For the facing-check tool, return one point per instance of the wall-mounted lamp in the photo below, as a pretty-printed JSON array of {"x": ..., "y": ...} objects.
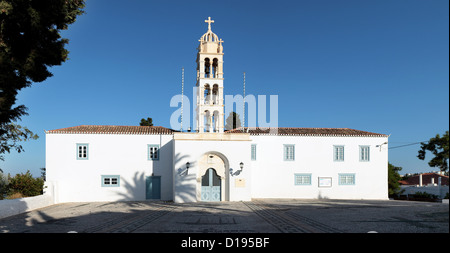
[
  {"x": 188, "y": 164},
  {"x": 241, "y": 166},
  {"x": 182, "y": 172},
  {"x": 381, "y": 145}
]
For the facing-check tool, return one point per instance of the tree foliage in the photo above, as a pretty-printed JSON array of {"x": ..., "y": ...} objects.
[
  {"x": 439, "y": 147},
  {"x": 26, "y": 185},
  {"x": 4, "y": 181},
  {"x": 13, "y": 135},
  {"x": 30, "y": 43},
  {"x": 232, "y": 121},
  {"x": 393, "y": 179},
  {"x": 146, "y": 122}
]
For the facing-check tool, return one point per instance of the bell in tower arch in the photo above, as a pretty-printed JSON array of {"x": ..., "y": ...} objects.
[
  {"x": 207, "y": 67},
  {"x": 215, "y": 65}
]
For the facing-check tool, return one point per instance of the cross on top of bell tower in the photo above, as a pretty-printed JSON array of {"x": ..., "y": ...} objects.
[
  {"x": 209, "y": 36},
  {"x": 209, "y": 21}
]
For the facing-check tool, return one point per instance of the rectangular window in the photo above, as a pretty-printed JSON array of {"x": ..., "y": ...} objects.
[
  {"x": 338, "y": 153},
  {"x": 289, "y": 152},
  {"x": 110, "y": 181},
  {"x": 153, "y": 152},
  {"x": 82, "y": 151},
  {"x": 302, "y": 179},
  {"x": 253, "y": 152},
  {"x": 346, "y": 179},
  {"x": 364, "y": 153}
]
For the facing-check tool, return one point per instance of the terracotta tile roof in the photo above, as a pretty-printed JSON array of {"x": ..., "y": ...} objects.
[
  {"x": 426, "y": 179},
  {"x": 93, "y": 129},
  {"x": 289, "y": 131},
  {"x": 297, "y": 131}
]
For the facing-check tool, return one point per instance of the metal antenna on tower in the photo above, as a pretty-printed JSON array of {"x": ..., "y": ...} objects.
[
  {"x": 243, "y": 117},
  {"x": 182, "y": 96}
]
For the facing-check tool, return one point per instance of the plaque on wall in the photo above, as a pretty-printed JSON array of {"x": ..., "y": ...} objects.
[
  {"x": 325, "y": 181},
  {"x": 239, "y": 182}
]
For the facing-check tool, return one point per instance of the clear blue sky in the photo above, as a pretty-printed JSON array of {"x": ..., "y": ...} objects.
[{"x": 373, "y": 65}]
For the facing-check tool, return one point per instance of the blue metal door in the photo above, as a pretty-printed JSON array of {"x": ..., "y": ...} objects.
[
  {"x": 211, "y": 186},
  {"x": 153, "y": 187}
]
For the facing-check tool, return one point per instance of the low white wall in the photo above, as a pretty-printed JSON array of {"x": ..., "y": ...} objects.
[
  {"x": 440, "y": 191},
  {"x": 9, "y": 207}
]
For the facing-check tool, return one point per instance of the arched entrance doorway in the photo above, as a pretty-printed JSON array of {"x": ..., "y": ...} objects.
[
  {"x": 211, "y": 186},
  {"x": 212, "y": 177}
]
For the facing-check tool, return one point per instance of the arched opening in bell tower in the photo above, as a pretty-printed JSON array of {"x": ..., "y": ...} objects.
[
  {"x": 206, "y": 121},
  {"x": 215, "y": 94},
  {"x": 215, "y": 123},
  {"x": 207, "y": 94},
  {"x": 215, "y": 65},
  {"x": 207, "y": 67}
]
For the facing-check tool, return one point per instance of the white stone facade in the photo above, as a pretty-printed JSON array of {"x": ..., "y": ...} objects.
[
  {"x": 266, "y": 172},
  {"x": 124, "y": 155},
  {"x": 113, "y": 163},
  {"x": 274, "y": 177}
]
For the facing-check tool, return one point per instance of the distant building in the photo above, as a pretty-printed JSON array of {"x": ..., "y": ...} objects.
[
  {"x": 432, "y": 183},
  {"x": 425, "y": 179}
]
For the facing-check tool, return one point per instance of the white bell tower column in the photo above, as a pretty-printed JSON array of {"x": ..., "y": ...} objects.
[{"x": 210, "y": 109}]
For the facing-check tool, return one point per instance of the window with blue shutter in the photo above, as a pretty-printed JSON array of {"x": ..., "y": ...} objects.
[
  {"x": 289, "y": 152},
  {"x": 302, "y": 179},
  {"x": 338, "y": 153},
  {"x": 153, "y": 152},
  {"x": 110, "y": 180},
  {"x": 346, "y": 179},
  {"x": 253, "y": 152},
  {"x": 364, "y": 153},
  {"x": 82, "y": 151}
]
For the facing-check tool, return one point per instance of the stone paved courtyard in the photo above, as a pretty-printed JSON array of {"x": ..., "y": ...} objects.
[{"x": 257, "y": 216}]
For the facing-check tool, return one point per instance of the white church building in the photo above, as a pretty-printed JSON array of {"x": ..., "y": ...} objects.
[{"x": 114, "y": 163}]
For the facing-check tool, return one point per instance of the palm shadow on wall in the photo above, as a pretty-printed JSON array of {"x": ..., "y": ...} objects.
[{"x": 135, "y": 188}]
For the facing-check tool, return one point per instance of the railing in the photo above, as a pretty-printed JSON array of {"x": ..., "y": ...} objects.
[
  {"x": 213, "y": 101},
  {"x": 211, "y": 75}
]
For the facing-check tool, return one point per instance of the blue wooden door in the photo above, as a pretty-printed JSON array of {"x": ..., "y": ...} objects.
[
  {"x": 153, "y": 187},
  {"x": 211, "y": 186}
]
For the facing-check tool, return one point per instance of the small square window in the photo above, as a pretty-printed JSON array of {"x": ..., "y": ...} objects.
[
  {"x": 346, "y": 179},
  {"x": 253, "y": 152},
  {"x": 153, "y": 152},
  {"x": 289, "y": 152},
  {"x": 82, "y": 151},
  {"x": 364, "y": 153},
  {"x": 110, "y": 181},
  {"x": 302, "y": 179},
  {"x": 338, "y": 153}
]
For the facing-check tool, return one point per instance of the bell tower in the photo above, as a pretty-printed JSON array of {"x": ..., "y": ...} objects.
[{"x": 210, "y": 109}]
